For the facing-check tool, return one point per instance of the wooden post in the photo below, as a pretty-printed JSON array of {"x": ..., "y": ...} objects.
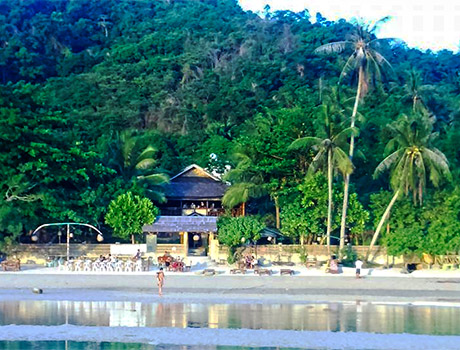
[{"x": 185, "y": 234}]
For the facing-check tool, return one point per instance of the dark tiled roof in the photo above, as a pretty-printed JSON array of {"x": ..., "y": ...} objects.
[
  {"x": 195, "y": 183},
  {"x": 195, "y": 188},
  {"x": 183, "y": 224}
]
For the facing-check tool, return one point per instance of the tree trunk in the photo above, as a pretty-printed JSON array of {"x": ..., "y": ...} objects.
[
  {"x": 346, "y": 186},
  {"x": 132, "y": 239},
  {"x": 243, "y": 209},
  {"x": 329, "y": 204},
  {"x": 385, "y": 216},
  {"x": 277, "y": 212}
]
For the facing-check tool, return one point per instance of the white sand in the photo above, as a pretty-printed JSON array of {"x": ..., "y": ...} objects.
[{"x": 429, "y": 287}]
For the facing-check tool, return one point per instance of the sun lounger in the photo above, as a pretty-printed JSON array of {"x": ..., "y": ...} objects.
[
  {"x": 209, "y": 272},
  {"x": 262, "y": 272},
  {"x": 287, "y": 272},
  {"x": 235, "y": 271}
]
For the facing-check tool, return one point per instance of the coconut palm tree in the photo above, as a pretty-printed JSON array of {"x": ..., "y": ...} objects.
[
  {"x": 329, "y": 149},
  {"x": 415, "y": 91},
  {"x": 136, "y": 163},
  {"x": 366, "y": 62},
  {"x": 412, "y": 159}
]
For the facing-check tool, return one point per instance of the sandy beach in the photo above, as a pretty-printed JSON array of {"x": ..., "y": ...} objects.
[
  {"x": 427, "y": 288},
  {"x": 434, "y": 287}
]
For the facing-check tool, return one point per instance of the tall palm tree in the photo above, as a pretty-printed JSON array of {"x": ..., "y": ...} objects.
[
  {"x": 411, "y": 160},
  {"x": 135, "y": 163},
  {"x": 366, "y": 62},
  {"x": 329, "y": 151}
]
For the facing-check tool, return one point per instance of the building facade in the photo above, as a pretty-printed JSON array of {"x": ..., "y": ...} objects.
[{"x": 188, "y": 220}]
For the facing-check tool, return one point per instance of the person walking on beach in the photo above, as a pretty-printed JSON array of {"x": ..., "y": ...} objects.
[
  {"x": 358, "y": 265},
  {"x": 160, "y": 281}
]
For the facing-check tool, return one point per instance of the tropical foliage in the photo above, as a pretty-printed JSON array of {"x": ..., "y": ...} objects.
[
  {"x": 237, "y": 231},
  {"x": 128, "y": 213},
  {"x": 101, "y": 98}
]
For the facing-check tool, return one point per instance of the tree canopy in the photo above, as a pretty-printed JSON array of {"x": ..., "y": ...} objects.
[{"x": 185, "y": 79}]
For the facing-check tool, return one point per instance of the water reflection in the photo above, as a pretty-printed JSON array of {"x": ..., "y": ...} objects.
[
  {"x": 70, "y": 345},
  {"x": 318, "y": 317}
]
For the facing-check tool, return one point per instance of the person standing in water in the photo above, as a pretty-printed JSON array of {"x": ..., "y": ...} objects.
[{"x": 160, "y": 281}]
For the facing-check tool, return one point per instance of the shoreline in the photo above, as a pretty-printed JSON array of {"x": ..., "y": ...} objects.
[{"x": 428, "y": 287}]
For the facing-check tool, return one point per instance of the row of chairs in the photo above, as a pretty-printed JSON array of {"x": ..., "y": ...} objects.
[{"x": 87, "y": 265}]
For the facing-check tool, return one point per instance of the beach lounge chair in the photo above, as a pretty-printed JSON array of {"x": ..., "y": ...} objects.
[
  {"x": 289, "y": 272},
  {"x": 262, "y": 272},
  {"x": 239, "y": 270}
]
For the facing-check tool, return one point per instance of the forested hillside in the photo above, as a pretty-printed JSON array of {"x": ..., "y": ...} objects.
[{"x": 87, "y": 87}]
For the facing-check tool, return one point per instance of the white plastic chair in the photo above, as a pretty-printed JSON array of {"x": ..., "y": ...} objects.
[
  {"x": 119, "y": 266},
  {"x": 87, "y": 265},
  {"x": 129, "y": 266}
]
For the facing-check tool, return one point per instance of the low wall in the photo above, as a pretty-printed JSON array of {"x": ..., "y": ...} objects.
[
  {"x": 294, "y": 253},
  {"x": 39, "y": 253}
]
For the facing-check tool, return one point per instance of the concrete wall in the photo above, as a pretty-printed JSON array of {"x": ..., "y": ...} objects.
[
  {"x": 294, "y": 253},
  {"x": 38, "y": 253}
]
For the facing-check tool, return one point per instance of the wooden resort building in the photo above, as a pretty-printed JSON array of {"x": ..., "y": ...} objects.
[{"x": 188, "y": 220}]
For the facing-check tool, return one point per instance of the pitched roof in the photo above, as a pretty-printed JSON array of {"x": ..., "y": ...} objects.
[
  {"x": 183, "y": 224},
  {"x": 199, "y": 171},
  {"x": 195, "y": 183}
]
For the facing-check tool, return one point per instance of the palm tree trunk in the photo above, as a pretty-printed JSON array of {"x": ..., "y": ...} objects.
[
  {"x": 329, "y": 204},
  {"x": 385, "y": 216},
  {"x": 346, "y": 186},
  {"x": 277, "y": 212},
  {"x": 243, "y": 209},
  {"x": 132, "y": 239}
]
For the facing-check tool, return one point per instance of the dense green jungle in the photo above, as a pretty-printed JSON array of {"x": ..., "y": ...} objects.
[{"x": 101, "y": 98}]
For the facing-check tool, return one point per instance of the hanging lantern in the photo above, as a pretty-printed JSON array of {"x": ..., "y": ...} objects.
[
  {"x": 34, "y": 238},
  {"x": 196, "y": 238},
  {"x": 99, "y": 238},
  {"x": 71, "y": 235}
]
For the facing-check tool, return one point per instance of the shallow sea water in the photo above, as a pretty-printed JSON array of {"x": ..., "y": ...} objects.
[
  {"x": 334, "y": 317},
  {"x": 71, "y": 345}
]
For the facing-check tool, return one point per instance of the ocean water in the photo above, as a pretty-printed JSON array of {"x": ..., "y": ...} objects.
[
  {"x": 72, "y": 345},
  {"x": 334, "y": 317}
]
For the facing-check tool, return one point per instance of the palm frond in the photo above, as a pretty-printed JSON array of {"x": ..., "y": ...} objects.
[
  {"x": 148, "y": 152},
  {"x": 372, "y": 28},
  {"x": 155, "y": 179},
  {"x": 388, "y": 162},
  {"x": 382, "y": 61},
  {"x": 335, "y": 47},
  {"x": 304, "y": 143},
  {"x": 316, "y": 163},
  {"x": 240, "y": 193},
  {"x": 438, "y": 165},
  {"x": 342, "y": 136},
  {"x": 349, "y": 66},
  {"x": 145, "y": 164},
  {"x": 341, "y": 161}
]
